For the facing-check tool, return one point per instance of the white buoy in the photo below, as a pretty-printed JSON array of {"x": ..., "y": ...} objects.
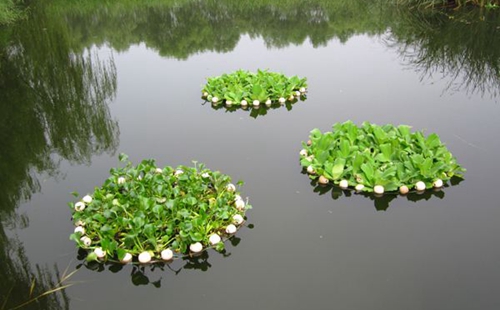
[
  {"x": 126, "y": 259},
  {"x": 86, "y": 240},
  {"x": 214, "y": 239},
  {"x": 230, "y": 187},
  {"x": 231, "y": 229},
  {"x": 178, "y": 172},
  {"x": 378, "y": 189},
  {"x": 80, "y": 229},
  {"x": 420, "y": 186},
  {"x": 359, "y": 187},
  {"x": 99, "y": 252},
  {"x": 438, "y": 183},
  {"x": 79, "y": 206},
  {"x": 167, "y": 254},
  {"x": 403, "y": 189},
  {"x": 196, "y": 247},
  {"x": 344, "y": 184},
  {"x": 144, "y": 257},
  {"x": 323, "y": 180},
  {"x": 239, "y": 204},
  {"x": 238, "y": 219},
  {"x": 87, "y": 199}
]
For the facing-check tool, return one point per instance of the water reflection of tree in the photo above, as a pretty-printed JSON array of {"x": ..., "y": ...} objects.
[
  {"x": 20, "y": 283},
  {"x": 462, "y": 46},
  {"x": 183, "y": 28},
  {"x": 53, "y": 103}
]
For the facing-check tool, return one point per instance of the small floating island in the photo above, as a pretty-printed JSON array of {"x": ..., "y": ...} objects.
[
  {"x": 378, "y": 159},
  {"x": 147, "y": 214},
  {"x": 244, "y": 88}
]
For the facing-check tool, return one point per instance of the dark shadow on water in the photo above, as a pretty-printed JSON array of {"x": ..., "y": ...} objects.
[
  {"x": 382, "y": 202},
  {"x": 152, "y": 274},
  {"x": 255, "y": 112}
]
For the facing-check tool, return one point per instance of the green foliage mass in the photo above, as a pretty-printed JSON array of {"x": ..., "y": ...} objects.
[
  {"x": 147, "y": 208},
  {"x": 261, "y": 86},
  {"x": 378, "y": 155},
  {"x": 9, "y": 12},
  {"x": 450, "y": 3},
  {"x": 458, "y": 44}
]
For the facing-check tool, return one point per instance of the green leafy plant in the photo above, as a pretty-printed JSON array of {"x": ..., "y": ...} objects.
[
  {"x": 492, "y": 5},
  {"x": 376, "y": 158},
  {"x": 242, "y": 88},
  {"x": 149, "y": 213}
]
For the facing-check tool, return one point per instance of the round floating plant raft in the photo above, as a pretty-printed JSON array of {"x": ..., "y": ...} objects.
[
  {"x": 149, "y": 213},
  {"x": 244, "y": 88},
  {"x": 378, "y": 159}
]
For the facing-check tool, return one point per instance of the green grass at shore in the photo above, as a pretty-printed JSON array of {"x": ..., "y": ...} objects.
[
  {"x": 9, "y": 12},
  {"x": 451, "y": 3}
]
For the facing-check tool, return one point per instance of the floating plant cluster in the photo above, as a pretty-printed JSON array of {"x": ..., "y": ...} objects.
[
  {"x": 378, "y": 159},
  {"x": 148, "y": 213},
  {"x": 244, "y": 88}
]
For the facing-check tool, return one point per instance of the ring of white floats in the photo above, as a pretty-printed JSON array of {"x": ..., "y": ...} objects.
[
  {"x": 307, "y": 160},
  {"x": 165, "y": 255}
]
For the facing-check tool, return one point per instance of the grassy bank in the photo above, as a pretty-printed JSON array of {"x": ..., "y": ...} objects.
[
  {"x": 451, "y": 3},
  {"x": 9, "y": 11}
]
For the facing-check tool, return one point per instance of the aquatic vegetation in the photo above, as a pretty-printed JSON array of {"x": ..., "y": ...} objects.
[
  {"x": 262, "y": 88},
  {"x": 378, "y": 159},
  {"x": 149, "y": 212}
]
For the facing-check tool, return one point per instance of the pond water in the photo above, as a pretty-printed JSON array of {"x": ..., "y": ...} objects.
[{"x": 81, "y": 83}]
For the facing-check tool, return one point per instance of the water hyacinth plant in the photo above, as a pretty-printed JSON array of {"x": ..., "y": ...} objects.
[
  {"x": 378, "y": 159},
  {"x": 150, "y": 213},
  {"x": 243, "y": 88}
]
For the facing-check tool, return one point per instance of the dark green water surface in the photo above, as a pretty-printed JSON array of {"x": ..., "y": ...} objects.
[{"x": 82, "y": 81}]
